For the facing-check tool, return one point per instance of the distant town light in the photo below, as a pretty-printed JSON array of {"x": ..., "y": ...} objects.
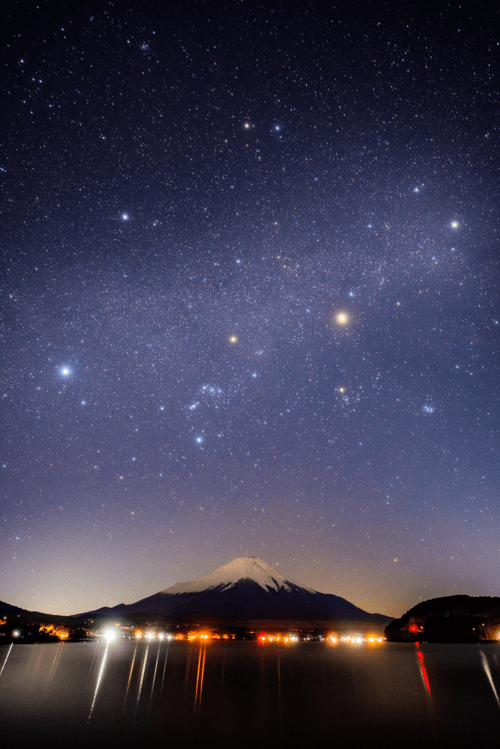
[{"x": 110, "y": 635}]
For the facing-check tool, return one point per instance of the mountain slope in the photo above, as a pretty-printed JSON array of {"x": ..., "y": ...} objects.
[{"x": 245, "y": 589}]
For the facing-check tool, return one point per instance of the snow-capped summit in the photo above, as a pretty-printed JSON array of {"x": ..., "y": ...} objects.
[
  {"x": 246, "y": 568},
  {"x": 246, "y": 589}
]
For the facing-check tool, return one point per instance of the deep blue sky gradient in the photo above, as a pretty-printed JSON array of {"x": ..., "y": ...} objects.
[{"x": 190, "y": 198}]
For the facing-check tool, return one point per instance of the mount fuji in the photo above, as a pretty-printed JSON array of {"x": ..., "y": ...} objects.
[{"x": 246, "y": 589}]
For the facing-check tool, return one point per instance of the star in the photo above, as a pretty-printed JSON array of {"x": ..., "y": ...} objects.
[
  {"x": 342, "y": 318},
  {"x": 112, "y": 327}
]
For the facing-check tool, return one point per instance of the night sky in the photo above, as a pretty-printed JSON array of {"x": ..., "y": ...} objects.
[{"x": 249, "y": 298}]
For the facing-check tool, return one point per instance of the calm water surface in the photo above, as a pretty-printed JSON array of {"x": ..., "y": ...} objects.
[{"x": 242, "y": 694}]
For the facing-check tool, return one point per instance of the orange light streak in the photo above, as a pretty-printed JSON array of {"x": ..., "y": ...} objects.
[{"x": 200, "y": 675}]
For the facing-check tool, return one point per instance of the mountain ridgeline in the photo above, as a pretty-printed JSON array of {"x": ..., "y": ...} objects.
[{"x": 246, "y": 589}]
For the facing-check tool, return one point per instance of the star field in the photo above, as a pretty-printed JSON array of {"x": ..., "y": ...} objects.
[{"x": 250, "y": 299}]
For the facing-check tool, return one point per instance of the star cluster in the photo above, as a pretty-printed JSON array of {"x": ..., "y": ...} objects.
[{"x": 250, "y": 300}]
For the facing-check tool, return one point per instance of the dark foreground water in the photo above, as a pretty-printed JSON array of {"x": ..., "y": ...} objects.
[{"x": 241, "y": 694}]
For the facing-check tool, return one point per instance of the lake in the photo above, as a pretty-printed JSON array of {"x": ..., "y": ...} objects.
[{"x": 306, "y": 695}]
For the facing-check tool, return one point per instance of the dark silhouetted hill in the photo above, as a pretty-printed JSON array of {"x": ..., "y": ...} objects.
[{"x": 449, "y": 619}]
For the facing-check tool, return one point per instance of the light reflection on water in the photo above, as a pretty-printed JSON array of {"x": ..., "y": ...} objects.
[
  {"x": 241, "y": 694},
  {"x": 154, "y": 677},
  {"x": 141, "y": 677},
  {"x": 130, "y": 677},
  {"x": 488, "y": 673},
  {"x": 6, "y": 658},
  {"x": 423, "y": 671},
  {"x": 57, "y": 655},
  {"x": 99, "y": 678},
  {"x": 200, "y": 675}
]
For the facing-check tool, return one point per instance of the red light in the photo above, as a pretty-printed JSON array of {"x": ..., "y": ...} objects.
[{"x": 423, "y": 672}]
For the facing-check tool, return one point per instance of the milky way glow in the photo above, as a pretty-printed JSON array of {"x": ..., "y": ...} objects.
[{"x": 250, "y": 302}]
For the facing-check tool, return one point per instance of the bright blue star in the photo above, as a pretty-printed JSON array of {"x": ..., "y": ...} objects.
[{"x": 65, "y": 371}]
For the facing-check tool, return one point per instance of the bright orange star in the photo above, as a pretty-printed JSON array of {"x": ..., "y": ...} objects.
[{"x": 342, "y": 318}]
